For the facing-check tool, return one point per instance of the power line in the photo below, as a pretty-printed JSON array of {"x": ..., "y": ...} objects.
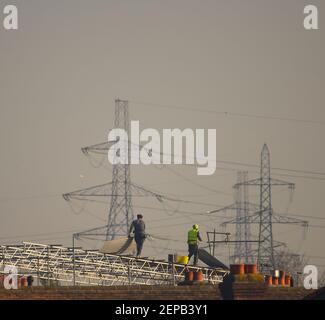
[
  {"x": 37, "y": 234},
  {"x": 227, "y": 113},
  {"x": 197, "y": 183},
  {"x": 273, "y": 168},
  {"x": 165, "y": 197},
  {"x": 314, "y": 226},
  {"x": 244, "y": 164},
  {"x": 321, "y": 175},
  {"x": 29, "y": 197},
  {"x": 306, "y": 216},
  {"x": 315, "y": 257},
  {"x": 176, "y": 211},
  {"x": 179, "y": 224}
]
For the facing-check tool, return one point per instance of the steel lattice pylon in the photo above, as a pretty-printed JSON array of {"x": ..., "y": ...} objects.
[
  {"x": 243, "y": 232},
  {"x": 265, "y": 217},
  {"x": 120, "y": 190},
  {"x": 243, "y": 208},
  {"x": 120, "y": 213},
  {"x": 265, "y": 249}
]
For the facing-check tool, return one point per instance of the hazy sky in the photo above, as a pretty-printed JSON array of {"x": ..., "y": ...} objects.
[{"x": 61, "y": 71}]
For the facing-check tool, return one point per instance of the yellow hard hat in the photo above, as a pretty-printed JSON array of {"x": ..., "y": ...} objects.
[{"x": 196, "y": 227}]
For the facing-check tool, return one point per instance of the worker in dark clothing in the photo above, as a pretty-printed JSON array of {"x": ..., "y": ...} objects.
[
  {"x": 192, "y": 239},
  {"x": 30, "y": 280},
  {"x": 139, "y": 233}
]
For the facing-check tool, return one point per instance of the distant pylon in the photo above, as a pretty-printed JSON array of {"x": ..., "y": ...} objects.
[
  {"x": 242, "y": 252},
  {"x": 265, "y": 217},
  {"x": 243, "y": 208},
  {"x": 265, "y": 248}
]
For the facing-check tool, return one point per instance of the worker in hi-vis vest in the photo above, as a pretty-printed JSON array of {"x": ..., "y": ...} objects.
[{"x": 192, "y": 239}]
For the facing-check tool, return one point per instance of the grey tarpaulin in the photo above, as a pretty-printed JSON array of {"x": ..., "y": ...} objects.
[
  {"x": 210, "y": 260},
  {"x": 119, "y": 246}
]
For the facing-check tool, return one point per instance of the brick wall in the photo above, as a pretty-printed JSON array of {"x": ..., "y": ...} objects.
[
  {"x": 259, "y": 291},
  {"x": 204, "y": 292},
  {"x": 239, "y": 291}
]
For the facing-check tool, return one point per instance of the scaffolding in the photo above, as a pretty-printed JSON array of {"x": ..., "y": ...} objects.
[{"x": 76, "y": 266}]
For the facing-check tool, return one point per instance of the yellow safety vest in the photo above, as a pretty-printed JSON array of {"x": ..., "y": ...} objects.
[{"x": 192, "y": 236}]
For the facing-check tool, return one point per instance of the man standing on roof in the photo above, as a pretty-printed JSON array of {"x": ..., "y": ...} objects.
[
  {"x": 139, "y": 233},
  {"x": 192, "y": 239}
]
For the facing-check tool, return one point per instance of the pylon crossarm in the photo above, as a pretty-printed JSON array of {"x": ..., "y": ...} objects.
[
  {"x": 100, "y": 148},
  {"x": 102, "y": 190},
  {"x": 279, "y": 244},
  {"x": 253, "y": 218},
  {"x": 234, "y": 206},
  {"x": 254, "y": 182},
  {"x": 276, "y": 218},
  {"x": 278, "y": 182},
  {"x": 273, "y": 182},
  {"x": 136, "y": 189}
]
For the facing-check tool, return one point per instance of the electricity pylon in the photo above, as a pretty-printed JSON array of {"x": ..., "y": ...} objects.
[
  {"x": 120, "y": 213},
  {"x": 120, "y": 190},
  {"x": 243, "y": 231},
  {"x": 243, "y": 208},
  {"x": 265, "y": 217}
]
